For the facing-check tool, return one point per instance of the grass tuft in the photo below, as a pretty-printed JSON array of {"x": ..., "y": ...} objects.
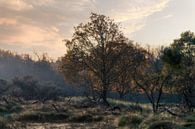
[
  {"x": 162, "y": 125},
  {"x": 42, "y": 117},
  {"x": 132, "y": 121}
]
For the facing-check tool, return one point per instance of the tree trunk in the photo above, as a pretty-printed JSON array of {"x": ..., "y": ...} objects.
[
  {"x": 104, "y": 97},
  {"x": 121, "y": 95},
  {"x": 154, "y": 108}
]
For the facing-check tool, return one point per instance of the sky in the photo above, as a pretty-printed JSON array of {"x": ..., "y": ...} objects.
[{"x": 28, "y": 26}]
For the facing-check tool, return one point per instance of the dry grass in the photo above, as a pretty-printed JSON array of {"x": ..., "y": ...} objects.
[{"x": 77, "y": 114}]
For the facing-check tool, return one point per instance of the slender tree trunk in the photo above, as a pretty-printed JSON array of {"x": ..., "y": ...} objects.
[
  {"x": 104, "y": 96},
  {"x": 121, "y": 95},
  {"x": 154, "y": 108}
]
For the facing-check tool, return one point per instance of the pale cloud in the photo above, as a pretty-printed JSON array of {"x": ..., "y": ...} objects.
[
  {"x": 164, "y": 17},
  {"x": 28, "y": 33},
  {"x": 7, "y": 21},
  {"x": 35, "y": 23},
  {"x": 16, "y": 4},
  {"x": 130, "y": 28},
  {"x": 132, "y": 13},
  {"x": 133, "y": 9}
]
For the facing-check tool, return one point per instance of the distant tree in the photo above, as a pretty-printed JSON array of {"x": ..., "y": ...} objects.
[
  {"x": 42, "y": 68},
  {"x": 25, "y": 87},
  {"x": 3, "y": 87},
  {"x": 29, "y": 88},
  {"x": 96, "y": 48},
  {"x": 48, "y": 91},
  {"x": 180, "y": 58},
  {"x": 133, "y": 58},
  {"x": 153, "y": 79}
]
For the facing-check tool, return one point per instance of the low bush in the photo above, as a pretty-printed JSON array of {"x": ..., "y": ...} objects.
[
  {"x": 162, "y": 125},
  {"x": 14, "y": 107},
  {"x": 190, "y": 117},
  {"x": 10, "y": 108},
  {"x": 42, "y": 117},
  {"x": 189, "y": 125},
  {"x": 131, "y": 121},
  {"x": 85, "y": 118},
  {"x": 158, "y": 122},
  {"x": 189, "y": 121},
  {"x": 4, "y": 123}
]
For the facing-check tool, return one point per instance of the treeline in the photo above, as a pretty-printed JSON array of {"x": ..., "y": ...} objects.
[
  {"x": 100, "y": 58},
  {"x": 21, "y": 76},
  {"x": 28, "y": 88},
  {"x": 15, "y": 65}
]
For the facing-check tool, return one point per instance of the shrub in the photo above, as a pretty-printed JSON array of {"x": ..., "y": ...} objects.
[
  {"x": 189, "y": 125},
  {"x": 3, "y": 109},
  {"x": 190, "y": 117},
  {"x": 132, "y": 121},
  {"x": 190, "y": 121},
  {"x": 42, "y": 117},
  {"x": 3, "y": 87},
  {"x": 10, "y": 108},
  {"x": 158, "y": 122},
  {"x": 13, "y": 107},
  {"x": 85, "y": 118},
  {"x": 29, "y": 88},
  {"x": 162, "y": 125},
  {"x": 3, "y": 123}
]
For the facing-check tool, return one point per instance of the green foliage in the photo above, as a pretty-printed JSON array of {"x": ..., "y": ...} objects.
[
  {"x": 181, "y": 51},
  {"x": 180, "y": 59},
  {"x": 172, "y": 57}
]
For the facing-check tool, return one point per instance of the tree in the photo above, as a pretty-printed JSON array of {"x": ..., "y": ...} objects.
[
  {"x": 95, "y": 48},
  {"x": 152, "y": 79},
  {"x": 180, "y": 58},
  {"x": 25, "y": 87},
  {"x": 132, "y": 59}
]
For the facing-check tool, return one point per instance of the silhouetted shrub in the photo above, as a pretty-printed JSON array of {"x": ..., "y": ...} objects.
[
  {"x": 85, "y": 118},
  {"x": 43, "y": 117},
  {"x": 190, "y": 121},
  {"x": 31, "y": 89},
  {"x": 3, "y": 86},
  {"x": 4, "y": 123},
  {"x": 162, "y": 125},
  {"x": 132, "y": 121}
]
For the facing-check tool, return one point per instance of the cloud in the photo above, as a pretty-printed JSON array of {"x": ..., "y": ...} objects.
[
  {"x": 7, "y": 21},
  {"x": 35, "y": 23},
  {"x": 164, "y": 17},
  {"x": 132, "y": 14},
  {"x": 15, "y": 4},
  {"x": 135, "y": 9}
]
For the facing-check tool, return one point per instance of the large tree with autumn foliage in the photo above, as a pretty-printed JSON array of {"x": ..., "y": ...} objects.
[{"x": 96, "y": 52}]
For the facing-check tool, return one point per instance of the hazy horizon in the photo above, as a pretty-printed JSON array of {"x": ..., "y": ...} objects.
[{"x": 28, "y": 26}]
